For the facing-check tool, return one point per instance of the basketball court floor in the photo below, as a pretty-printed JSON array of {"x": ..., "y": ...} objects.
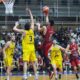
[{"x": 42, "y": 77}]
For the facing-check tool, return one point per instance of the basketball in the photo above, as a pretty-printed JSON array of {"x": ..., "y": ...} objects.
[
  {"x": 0, "y": 1},
  {"x": 45, "y": 10}
]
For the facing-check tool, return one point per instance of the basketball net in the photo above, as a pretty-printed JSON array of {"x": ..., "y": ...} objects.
[{"x": 8, "y": 6}]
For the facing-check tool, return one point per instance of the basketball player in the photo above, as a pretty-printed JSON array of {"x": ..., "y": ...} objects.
[
  {"x": 74, "y": 56},
  {"x": 48, "y": 32},
  {"x": 28, "y": 45},
  {"x": 8, "y": 52},
  {"x": 56, "y": 58}
]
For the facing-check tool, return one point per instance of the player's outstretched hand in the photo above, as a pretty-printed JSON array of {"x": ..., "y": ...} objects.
[
  {"x": 17, "y": 23},
  {"x": 38, "y": 24}
]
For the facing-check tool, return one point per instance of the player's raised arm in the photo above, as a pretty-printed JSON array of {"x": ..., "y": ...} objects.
[
  {"x": 15, "y": 28},
  {"x": 47, "y": 19},
  {"x": 39, "y": 26},
  {"x": 4, "y": 48},
  {"x": 32, "y": 20},
  {"x": 41, "y": 29},
  {"x": 46, "y": 12},
  {"x": 67, "y": 48},
  {"x": 67, "y": 51},
  {"x": 63, "y": 49}
]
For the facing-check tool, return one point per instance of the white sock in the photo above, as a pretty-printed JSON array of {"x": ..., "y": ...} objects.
[
  {"x": 25, "y": 76},
  {"x": 7, "y": 77},
  {"x": 36, "y": 76},
  {"x": 56, "y": 76},
  {"x": 25, "y": 72}
]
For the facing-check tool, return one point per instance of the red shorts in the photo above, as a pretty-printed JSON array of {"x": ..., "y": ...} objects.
[
  {"x": 46, "y": 48},
  {"x": 75, "y": 62}
]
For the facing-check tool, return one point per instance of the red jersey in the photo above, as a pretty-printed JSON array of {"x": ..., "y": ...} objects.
[
  {"x": 74, "y": 57},
  {"x": 48, "y": 35},
  {"x": 73, "y": 47},
  {"x": 47, "y": 40}
]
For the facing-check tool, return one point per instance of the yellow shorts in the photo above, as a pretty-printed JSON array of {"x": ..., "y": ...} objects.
[
  {"x": 8, "y": 61},
  {"x": 29, "y": 56},
  {"x": 58, "y": 63}
]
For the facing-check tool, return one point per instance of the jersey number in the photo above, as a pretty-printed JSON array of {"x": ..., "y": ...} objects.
[{"x": 30, "y": 37}]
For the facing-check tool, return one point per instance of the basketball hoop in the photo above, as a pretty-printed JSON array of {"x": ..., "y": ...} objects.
[{"x": 8, "y": 6}]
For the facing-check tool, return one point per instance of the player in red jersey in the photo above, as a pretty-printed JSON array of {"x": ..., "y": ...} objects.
[
  {"x": 48, "y": 32},
  {"x": 74, "y": 56}
]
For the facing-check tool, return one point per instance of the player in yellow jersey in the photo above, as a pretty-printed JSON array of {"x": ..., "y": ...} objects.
[
  {"x": 8, "y": 52},
  {"x": 56, "y": 58},
  {"x": 28, "y": 45}
]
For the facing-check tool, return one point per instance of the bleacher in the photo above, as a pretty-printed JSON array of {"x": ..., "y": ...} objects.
[{"x": 58, "y": 9}]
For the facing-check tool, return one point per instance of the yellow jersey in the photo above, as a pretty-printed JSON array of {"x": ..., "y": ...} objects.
[
  {"x": 10, "y": 50},
  {"x": 28, "y": 39},
  {"x": 56, "y": 53}
]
